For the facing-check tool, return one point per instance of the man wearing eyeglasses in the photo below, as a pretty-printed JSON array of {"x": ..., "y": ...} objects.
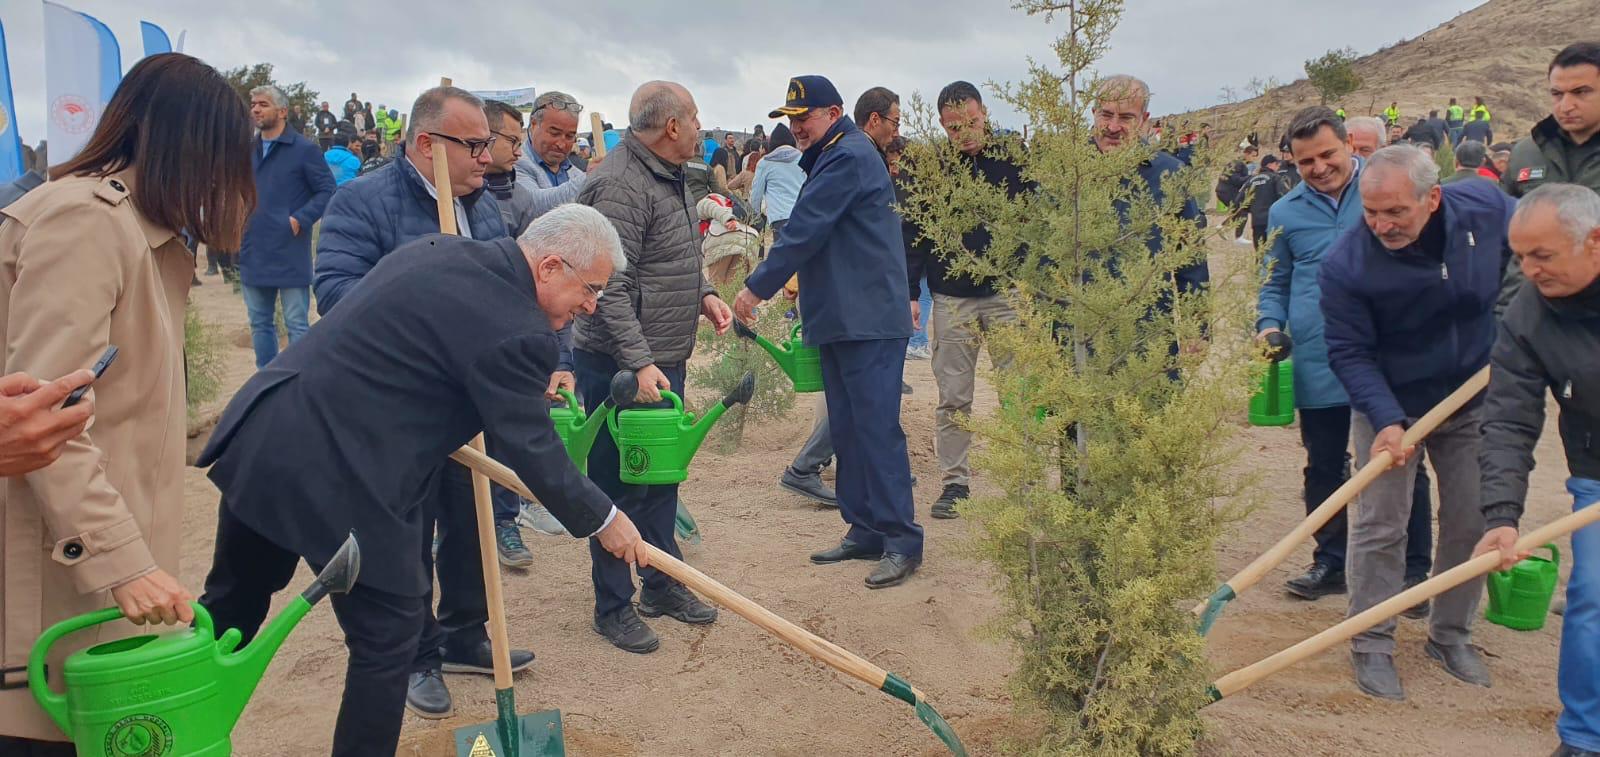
[
  {"x": 546, "y": 167},
  {"x": 367, "y": 219},
  {"x": 843, "y": 239}
]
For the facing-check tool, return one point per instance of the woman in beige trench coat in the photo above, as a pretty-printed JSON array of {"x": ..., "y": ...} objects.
[{"x": 93, "y": 258}]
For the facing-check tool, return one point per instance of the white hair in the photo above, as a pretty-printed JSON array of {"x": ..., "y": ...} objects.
[
  {"x": 274, "y": 94},
  {"x": 1577, "y": 208},
  {"x": 1370, "y": 124},
  {"x": 1124, "y": 87},
  {"x": 1418, "y": 165},
  {"x": 577, "y": 234}
]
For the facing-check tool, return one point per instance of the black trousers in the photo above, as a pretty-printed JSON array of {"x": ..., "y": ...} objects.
[
  {"x": 874, "y": 478},
  {"x": 381, "y": 631},
  {"x": 11, "y": 746},
  {"x": 463, "y": 612},
  {"x": 651, "y": 508},
  {"x": 1325, "y": 432}
]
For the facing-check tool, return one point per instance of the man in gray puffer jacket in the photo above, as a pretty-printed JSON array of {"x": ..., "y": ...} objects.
[{"x": 645, "y": 322}]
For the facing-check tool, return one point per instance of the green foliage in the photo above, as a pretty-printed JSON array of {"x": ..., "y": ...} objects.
[
  {"x": 203, "y": 350},
  {"x": 1445, "y": 156},
  {"x": 245, "y": 78},
  {"x": 728, "y": 358},
  {"x": 1334, "y": 74},
  {"x": 1111, "y": 451}
]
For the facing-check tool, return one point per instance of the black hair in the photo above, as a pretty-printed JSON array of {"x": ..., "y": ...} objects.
[
  {"x": 780, "y": 136},
  {"x": 1472, "y": 154},
  {"x": 1309, "y": 121},
  {"x": 876, "y": 100},
  {"x": 1577, "y": 54},
  {"x": 957, "y": 92},
  {"x": 494, "y": 110},
  {"x": 898, "y": 144}
]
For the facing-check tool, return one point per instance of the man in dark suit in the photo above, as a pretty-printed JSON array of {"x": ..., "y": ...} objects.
[{"x": 445, "y": 337}]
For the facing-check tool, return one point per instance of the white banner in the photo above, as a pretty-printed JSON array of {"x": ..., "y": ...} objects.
[
  {"x": 82, "y": 67},
  {"x": 516, "y": 98}
]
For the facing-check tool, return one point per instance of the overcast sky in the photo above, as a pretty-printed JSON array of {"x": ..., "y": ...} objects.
[{"x": 735, "y": 57}]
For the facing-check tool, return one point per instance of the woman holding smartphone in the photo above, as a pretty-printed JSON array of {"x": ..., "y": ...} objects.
[{"x": 92, "y": 259}]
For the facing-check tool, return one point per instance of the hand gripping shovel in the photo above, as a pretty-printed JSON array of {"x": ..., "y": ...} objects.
[
  {"x": 1238, "y": 680},
  {"x": 823, "y": 650},
  {"x": 1377, "y": 466}
]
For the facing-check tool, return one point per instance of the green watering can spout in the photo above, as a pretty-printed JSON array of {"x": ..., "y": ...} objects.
[
  {"x": 243, "y": 669},
  {"x": 802, "y": 364}
]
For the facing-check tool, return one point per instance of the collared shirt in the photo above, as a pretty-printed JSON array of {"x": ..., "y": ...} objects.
[
  {"x": 559, "y": 176},
  {"x": 1355, "y": 175},
  {"x": 462, "y": 227}
]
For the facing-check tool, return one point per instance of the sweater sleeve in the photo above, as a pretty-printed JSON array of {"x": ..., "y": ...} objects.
[{"x": 1513, "y": 417}]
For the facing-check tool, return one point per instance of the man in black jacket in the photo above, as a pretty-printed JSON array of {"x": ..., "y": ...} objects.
[
  {"x": 1263, "y": 189},
  {"x": 964, "y": 308},
  {"x": 444, "y": 338},
  {"x": 1549, "y": 338}
]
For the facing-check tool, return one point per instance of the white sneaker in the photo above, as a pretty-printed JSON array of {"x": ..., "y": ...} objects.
[
  {"x": 919, "y": 352},
  {"x": 533, "y": 515},
  {"x": 1241, "y": 241}
]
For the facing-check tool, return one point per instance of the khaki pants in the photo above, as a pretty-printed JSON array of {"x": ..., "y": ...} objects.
[{"x": 959, "y": 324}]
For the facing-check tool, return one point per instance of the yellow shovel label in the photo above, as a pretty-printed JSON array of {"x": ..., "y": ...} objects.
[{"x": 481, "y": 748}]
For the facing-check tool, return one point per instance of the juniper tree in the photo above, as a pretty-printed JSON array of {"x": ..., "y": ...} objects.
[{"x": 1112, "y": 450}]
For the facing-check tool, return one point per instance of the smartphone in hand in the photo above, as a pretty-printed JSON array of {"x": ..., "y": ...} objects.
[{"x": 100, "y": 367}]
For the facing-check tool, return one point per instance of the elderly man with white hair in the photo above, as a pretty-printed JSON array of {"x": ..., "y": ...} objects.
[
  {"x": 1367, "y": 135},
  {"x": 443, "y": 339},
  {"x": 1549, "y": 339},
  {"x": 1408, "y": 303}
]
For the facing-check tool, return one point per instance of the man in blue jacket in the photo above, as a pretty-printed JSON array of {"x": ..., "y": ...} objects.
[
  {"x": 843, "y": 239},
  {"x": 1409, "y": 305},
  {"x": 368, "y": 219},
  {"x": 293, "y": 185},
  {"x": 1307, "y": 220}
]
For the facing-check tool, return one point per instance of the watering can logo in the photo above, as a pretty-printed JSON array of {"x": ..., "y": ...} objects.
[
  {"x": 140, "y": 735},
  {"x": 637, "y": 459}
]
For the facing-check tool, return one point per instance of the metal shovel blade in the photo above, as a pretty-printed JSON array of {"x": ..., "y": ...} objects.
[{"x": 538, "y": 734}]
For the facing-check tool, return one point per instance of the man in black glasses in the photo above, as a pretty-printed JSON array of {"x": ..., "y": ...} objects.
[
  {"x": 546, "y": 168},
  {"x": 367, "y": 219}
]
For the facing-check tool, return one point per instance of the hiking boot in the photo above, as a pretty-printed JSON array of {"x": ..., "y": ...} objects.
[
  {"x": 1419, "y": 610},
  {"x": 627, "y": 632},
  {"x": 945, "y": 507},
  {"x": 480, "y": 659},
  {"x": 893, "y": 570},
  {"x": 678, "y": 603},
  {"x": 1318, "y": 582},
  {"x": 1376, "y": 676},
  {"x": 427, "y": 696},
  {"x": 535, "y": 516},
  {"x": 508, "y": 542},
  {"x": 808, "y": 485},
  {"x": 847, "y": 550},
  {"x": 1461, "y": 661}
]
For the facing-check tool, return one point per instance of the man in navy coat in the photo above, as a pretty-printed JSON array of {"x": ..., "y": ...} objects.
[
  {"x": 445, "y": 337},
  {"x": 293, "y": 186},
  {"x": 843, "y": 239}
]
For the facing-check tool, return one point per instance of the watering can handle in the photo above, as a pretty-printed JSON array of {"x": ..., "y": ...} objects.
[
  {"x": 566, "y": 394},
  {"x": 1555, "y": 553},
  {"x": 677, "y": 402},
  {"x": 793, "y": 332},
  {"x": 56, "y": 704}
]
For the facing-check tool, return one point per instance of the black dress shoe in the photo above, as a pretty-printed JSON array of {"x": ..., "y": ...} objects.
[
  {"x": 480, "y": 659},
  {"x": 1421, "y": 609},
  {"x": 1375, "y": 675},
  {"x": 808, "y": 485},
  {"x": 893, "y": 570},
  {"x": 847, "y": 550},
  {"x": 1461, "y": 661},
  {"x": 1318, "y": 582},
  {"x": 627, "y": 631},
  {"x": 678, "y": 603},
  {"x": 427, "y": 696}
]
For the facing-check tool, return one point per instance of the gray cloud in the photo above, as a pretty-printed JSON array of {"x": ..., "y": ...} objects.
[{"x": 736, "y": 58}]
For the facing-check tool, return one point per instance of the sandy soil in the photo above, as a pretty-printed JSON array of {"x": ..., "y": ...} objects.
[{"x": 731, "y": 689}]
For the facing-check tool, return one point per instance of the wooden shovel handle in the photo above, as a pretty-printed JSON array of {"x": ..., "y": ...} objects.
[
  {"x": 1238, "y": 680},
  {"x": 499, "y": 641},
  {"x": 823, "y": 650},
  {"x": 441, "y": 187},
  {"x": 1377, "y": 466},
  {"x": 597, "y": 126}
]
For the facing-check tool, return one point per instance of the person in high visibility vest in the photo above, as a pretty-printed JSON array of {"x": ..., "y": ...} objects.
[
  {"x": 1454, "y": 120},
  {"x": 1392, "y": 113},
  {"x": 1340, "y": 112},
  {"x": 1480, "y": 112}
]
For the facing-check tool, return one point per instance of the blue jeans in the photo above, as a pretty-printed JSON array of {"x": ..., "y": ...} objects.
[
  {"x": 261, "y": 303},
  {"x": 1579, "y": 677},
  {"x": 919, "y": 338}
]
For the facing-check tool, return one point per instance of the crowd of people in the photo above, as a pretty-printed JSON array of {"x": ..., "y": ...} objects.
[{"x": 573, "y": 269}]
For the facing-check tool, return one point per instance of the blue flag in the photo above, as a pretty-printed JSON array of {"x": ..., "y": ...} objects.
[
  {"x": 11, "y": 165},
  {"x": 155, "y": 39}
]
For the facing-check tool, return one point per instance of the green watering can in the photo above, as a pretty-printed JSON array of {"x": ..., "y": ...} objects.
[
  {"x": 802, "y": 364},
  {"x": 656, "y": 444},
  {"x": 578, "y": 431},
  {"x": 1273, "y": 403},
  {"x": 1520, "y": 598},
  {"x": 176, "y": 694}
]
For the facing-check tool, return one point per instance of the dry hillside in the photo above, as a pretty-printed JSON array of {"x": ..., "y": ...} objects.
[{"x": 1499, "y": 50}]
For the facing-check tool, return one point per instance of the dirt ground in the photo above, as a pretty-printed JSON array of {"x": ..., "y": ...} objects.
[{"x": 731, "y": 689}]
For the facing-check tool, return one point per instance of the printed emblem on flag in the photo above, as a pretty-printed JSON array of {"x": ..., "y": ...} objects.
[
  {"x": 1524, "y": 174},
  {"x": 73, "y": 114}
]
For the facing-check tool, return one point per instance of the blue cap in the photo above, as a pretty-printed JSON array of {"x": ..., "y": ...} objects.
[{"x": 805, "y": 93}]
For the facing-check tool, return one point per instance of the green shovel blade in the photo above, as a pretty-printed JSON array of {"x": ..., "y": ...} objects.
[
  {"x": 538, "y": 735},
  {"x": 897, "y": 687},
  {"x": 683, "y": 523},
  {"x": 1218, "y": 600}
]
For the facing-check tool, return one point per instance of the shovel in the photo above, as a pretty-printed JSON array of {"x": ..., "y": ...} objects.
[
  {"x": 1377, "y": 466},
  {"x": 823, "y": 650},
  {"x": 1238, "y": 680}
]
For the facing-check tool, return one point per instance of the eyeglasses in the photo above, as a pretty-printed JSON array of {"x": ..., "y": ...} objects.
[
  {"x": 892, "y": 121},
  {"x": 512, "y": 138},
  {"x": 559, "y": 102},
  {"x": 596, "y": 293},
  {"x": 475, "y": 147}
]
